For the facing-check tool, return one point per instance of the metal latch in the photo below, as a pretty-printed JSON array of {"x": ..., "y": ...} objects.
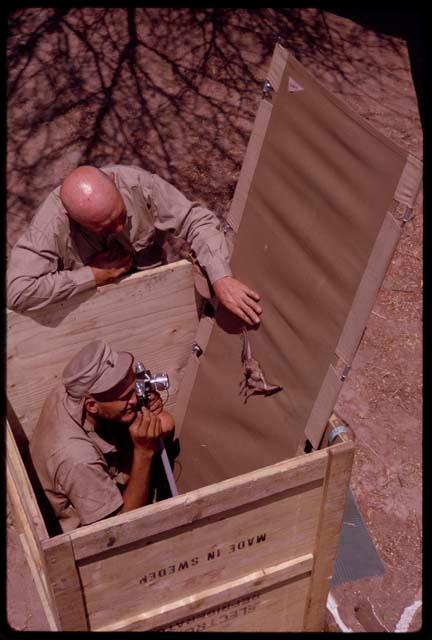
[
  {"x": 345, "y": 372},
  {"x": 336, "y": 431},
  {"x": 267, "y": 89},
  {"x": 407, "y": 215},
  {"x": 196, "y": 349}
]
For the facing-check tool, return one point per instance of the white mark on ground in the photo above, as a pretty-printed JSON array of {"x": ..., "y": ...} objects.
[
  {"x": 333, "y": 608},
  {"x": 407, "y": 616},
  {"x": 376, "y": 616}
]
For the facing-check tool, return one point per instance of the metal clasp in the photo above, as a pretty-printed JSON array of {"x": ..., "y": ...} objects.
[
  {"x": 196, "y": 349},
  {"x": 267, "y": 89},
  {"x": 345, "y": 372},
  {"x": 336, "y": 431},
  {"x": 407, "y": 215}
]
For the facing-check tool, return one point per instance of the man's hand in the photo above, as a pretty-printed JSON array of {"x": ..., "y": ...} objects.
[
  {"x": 166, "y": 419},
  {"x": 155, "y": 402},
  {"x": 145, "y": 431},
  {"x": 106, "y": 270},
  {"x": 238, "y": 298}
]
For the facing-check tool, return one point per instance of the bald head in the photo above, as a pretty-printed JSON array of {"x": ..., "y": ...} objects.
[{"x": 91, "y": 198}]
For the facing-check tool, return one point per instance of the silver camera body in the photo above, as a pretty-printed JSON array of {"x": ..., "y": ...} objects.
[{"x": 146, "y": 383}]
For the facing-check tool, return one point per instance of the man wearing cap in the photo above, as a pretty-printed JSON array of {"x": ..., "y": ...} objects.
[
  {"x": 92, "y": 449},
  {"x": 101, "y": 223}
]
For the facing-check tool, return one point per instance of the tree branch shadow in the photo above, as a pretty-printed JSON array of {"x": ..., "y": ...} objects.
[{"x": 172, "y": 90}]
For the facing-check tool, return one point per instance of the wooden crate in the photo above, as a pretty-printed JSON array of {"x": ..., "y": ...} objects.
[{"x": 252, "y": 553}]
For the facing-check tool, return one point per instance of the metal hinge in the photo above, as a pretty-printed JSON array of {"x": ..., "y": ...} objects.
[
  {"x": 267, "y": 89},
  {"x": 345, "y": 372},
  {"x": 196, "y": 349},
  {"x": 337, "y": 431},
  {"x": 407, "y": 215}
]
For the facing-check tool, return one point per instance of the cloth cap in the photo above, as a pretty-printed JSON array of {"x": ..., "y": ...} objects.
[{"x": 95, "y": 369}]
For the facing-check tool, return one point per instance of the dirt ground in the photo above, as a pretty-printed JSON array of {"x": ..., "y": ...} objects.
[{"x": 176, "y": 91}]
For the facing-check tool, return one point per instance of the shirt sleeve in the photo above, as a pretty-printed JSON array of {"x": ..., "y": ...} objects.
[
  {"x": 90, "y": 489},
  {"x": 34, "y": 278},
  {"x": 194, "y": 223}
]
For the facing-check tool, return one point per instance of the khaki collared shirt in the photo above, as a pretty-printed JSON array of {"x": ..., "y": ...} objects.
[
  {"x": 81, "y": 473},
  {"x": 48, "y": 263}
]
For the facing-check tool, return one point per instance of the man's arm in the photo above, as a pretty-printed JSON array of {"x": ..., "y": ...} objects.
[
  {"x": 202, "y": 229},
  {"x": 145, "y": 432},
  {"x": 35, "y": 278}
]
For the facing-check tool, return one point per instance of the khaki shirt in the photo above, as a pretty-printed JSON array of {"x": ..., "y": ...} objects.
[
  {"x": 48, "y": 263},
  {"x": 82, "y": 474}
]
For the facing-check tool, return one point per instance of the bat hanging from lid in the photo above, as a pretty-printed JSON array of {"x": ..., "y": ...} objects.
[{"x": 254, "y": 381}]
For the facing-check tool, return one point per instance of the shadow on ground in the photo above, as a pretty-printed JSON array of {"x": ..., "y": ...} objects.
[{"x": 172, "y": 90}]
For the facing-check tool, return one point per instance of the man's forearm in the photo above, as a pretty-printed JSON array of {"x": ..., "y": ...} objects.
[
  {"x": 192, "y": 222},
  {"x": 29, "y": 293},
  {"x": 137, "y": 490}
]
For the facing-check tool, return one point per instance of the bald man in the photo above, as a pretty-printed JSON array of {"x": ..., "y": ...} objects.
[{"x": 102, "y": 223}]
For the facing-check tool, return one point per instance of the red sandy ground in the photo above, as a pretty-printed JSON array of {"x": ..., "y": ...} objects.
[{"x": 182, "y": 103}]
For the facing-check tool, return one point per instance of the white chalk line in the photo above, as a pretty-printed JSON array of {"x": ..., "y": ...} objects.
[
  {"x": 401, "y": 627},
  {"x": 407, "y": 617},
  {"x": 333, "y": 608},
  {"x": 376, "y": 616}
]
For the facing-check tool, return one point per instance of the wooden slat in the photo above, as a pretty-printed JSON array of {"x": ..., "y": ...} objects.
[
  {"x": 65, "y": 583},
  {"x": 186, "y": 385},
  {"x": 195, "y": 604},
  {"x": 207, "y": 552},
  {"x": 277, "y": 66},
  {"x": 32, "y": 553},
  {"x": 26, "y": 496},
  {"x": 253, "y": 150},
  {"x": 143, "y": 523},
  {"x": 152, "y": 314},
  {"x": 367, "y": 290},
  {"x": 335, "y": 492},
  {"x": 30, "y": 525}
]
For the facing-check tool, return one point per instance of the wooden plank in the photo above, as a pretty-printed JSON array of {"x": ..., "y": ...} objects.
[
  {"x": 152, "y": 314},
  {"x": 66, "y": 585},
  {"x": 371, "y": 280},
  {"x": 32, "y": 553},
  {"x": 206, "y": 502},
  {"x": 277, "y": 609},
  {"x": 26, "y": 496},
  {"x": 193, "y": 605},
  {"x": 332, "y": 509},
  {"x": 186, "y": 385},
  {"x": 277, "y": 66},
  {"x": 209, "y": 537},
  {"x": 210, "y": 551},
  {"x": 29, "y": 524},
  {"x": 250, "y": 161},
  {"x": 323, "y": 406}
]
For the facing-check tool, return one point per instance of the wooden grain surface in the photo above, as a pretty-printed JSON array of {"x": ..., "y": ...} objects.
[
  {"x": 205, "y": 539},
  {"x": 330, "y": 522},
  {"x": 152, "y": 314},
  {"x": 214, "y": 500},
  {"x": 214, "y": 607},
  {"x": 29, "y": 524},
  {"x": 66, "y": 585}
]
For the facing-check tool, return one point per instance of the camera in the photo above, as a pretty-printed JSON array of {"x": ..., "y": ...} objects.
[{"x": 146, "y": 383}]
